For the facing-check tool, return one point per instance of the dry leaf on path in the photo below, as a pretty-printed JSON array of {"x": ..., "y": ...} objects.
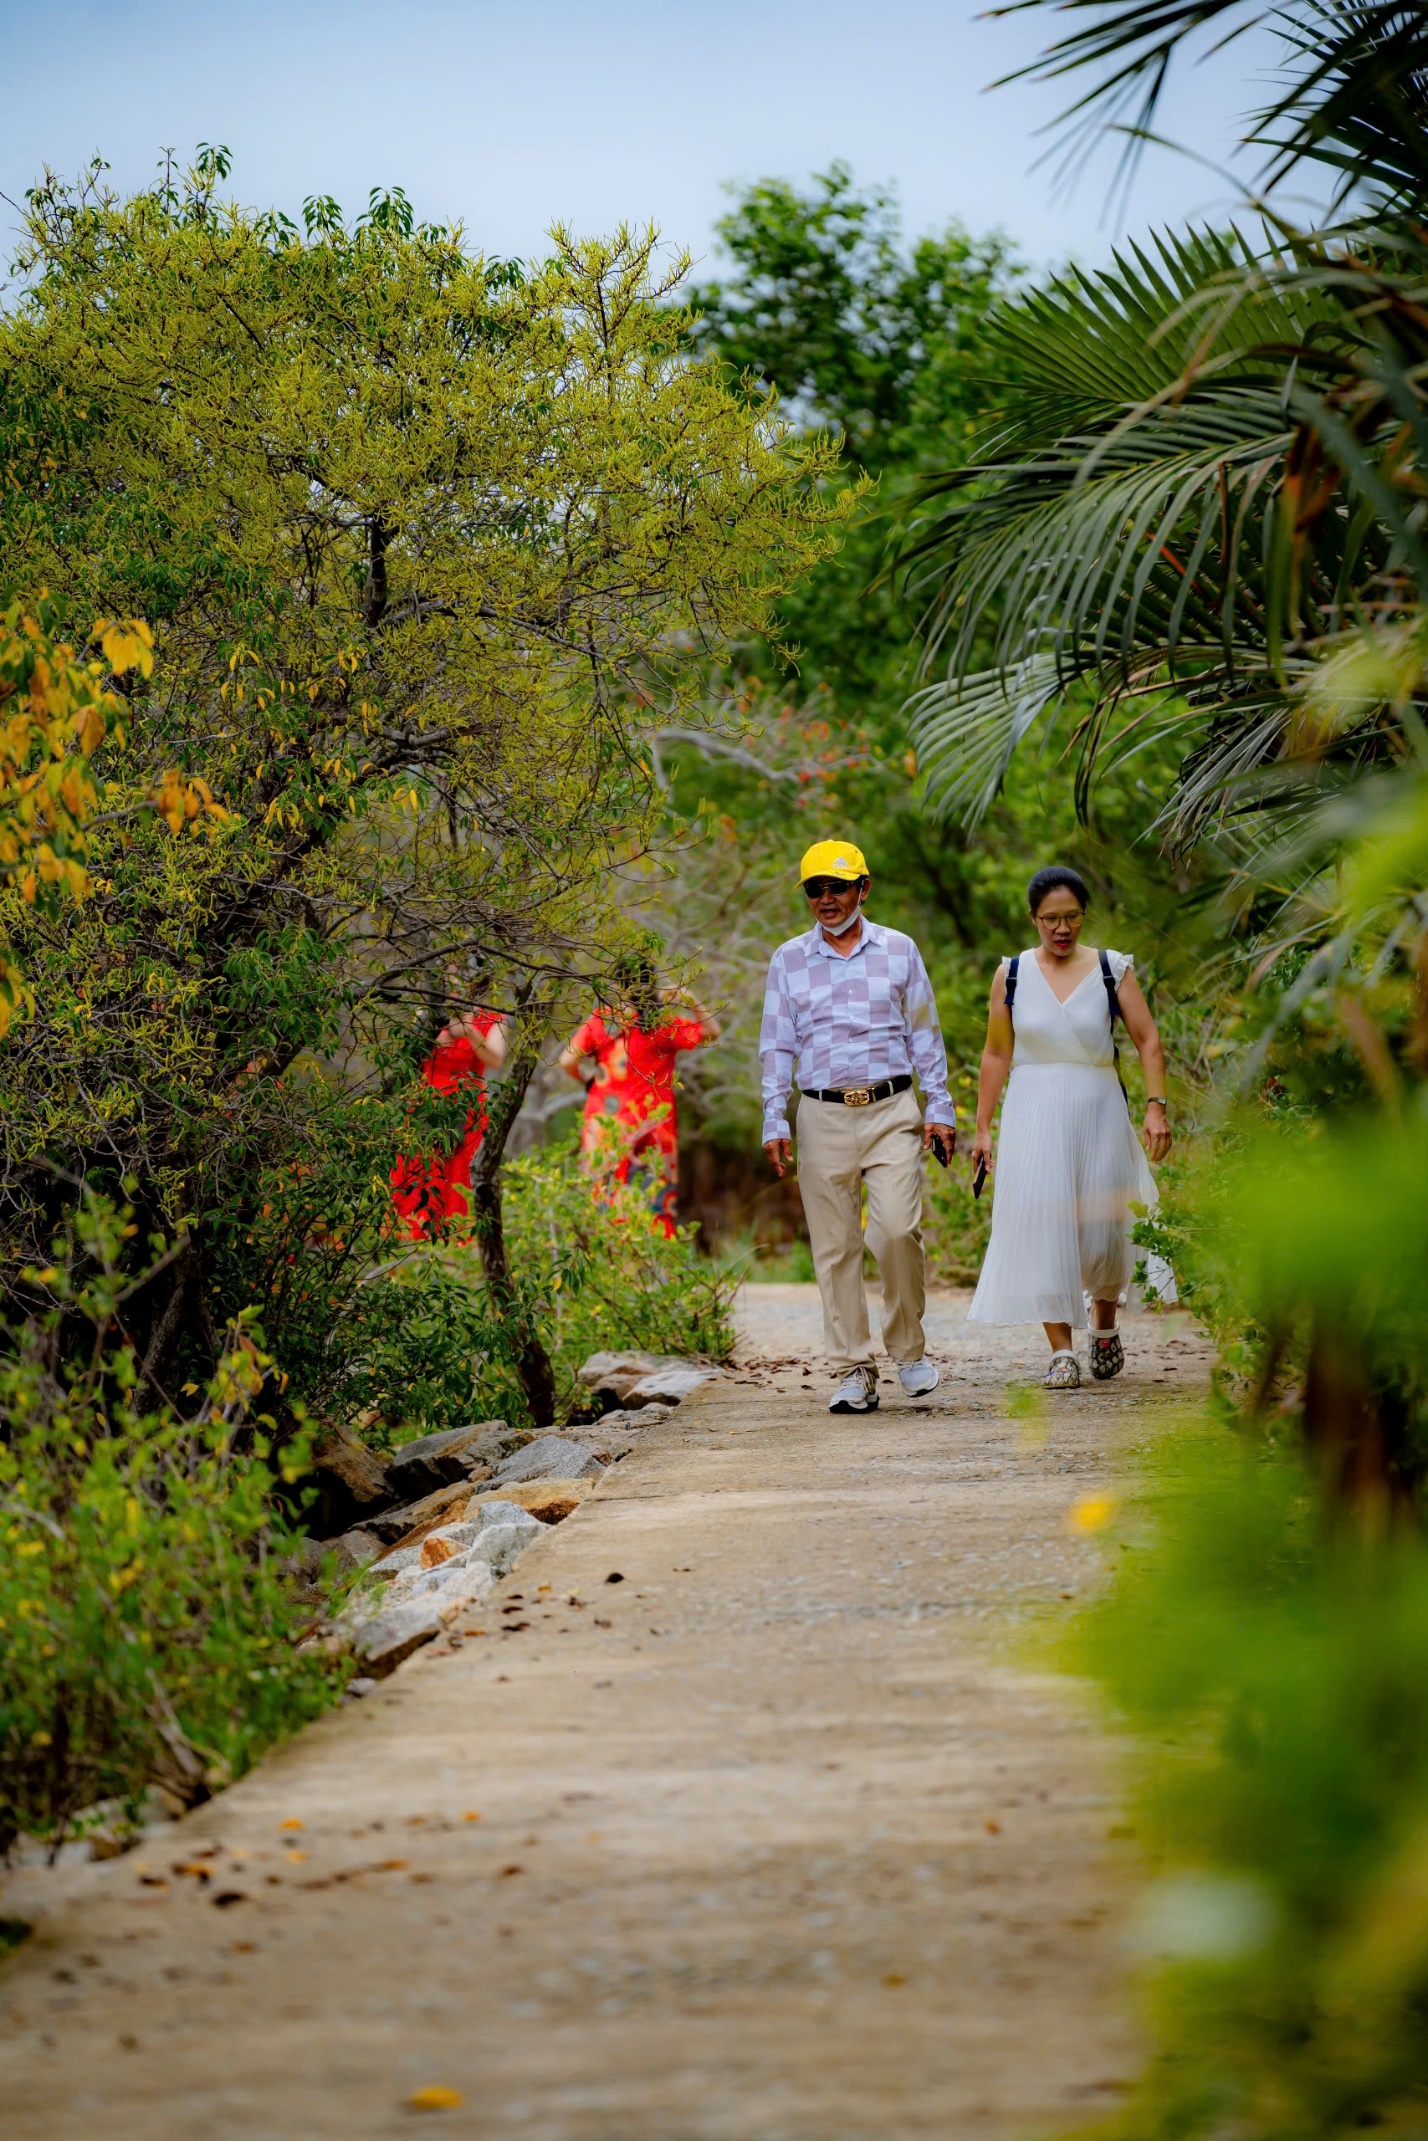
[{"x": 435, "y": 2098}]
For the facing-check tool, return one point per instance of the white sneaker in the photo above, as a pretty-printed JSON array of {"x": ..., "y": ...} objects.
[
  {"x": 919, "y": 1378},
  {"x": 858, "y": 1392}
]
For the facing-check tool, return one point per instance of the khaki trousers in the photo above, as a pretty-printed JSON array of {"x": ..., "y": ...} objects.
[{"x": 840, "y": 1148}]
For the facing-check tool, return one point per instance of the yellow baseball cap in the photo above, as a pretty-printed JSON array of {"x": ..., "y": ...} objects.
[{"x": 833, "y": 858}]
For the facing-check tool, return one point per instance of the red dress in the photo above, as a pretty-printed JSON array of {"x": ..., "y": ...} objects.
[
  {"x": 630, "y": 1133},
  {"x": 432, "y": 1190}
]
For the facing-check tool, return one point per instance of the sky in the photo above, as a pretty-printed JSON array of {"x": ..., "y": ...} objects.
[{"x": 507, "y": 115}]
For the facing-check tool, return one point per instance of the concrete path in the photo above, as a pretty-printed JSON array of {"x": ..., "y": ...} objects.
[{"x": 771, "y": 1839}]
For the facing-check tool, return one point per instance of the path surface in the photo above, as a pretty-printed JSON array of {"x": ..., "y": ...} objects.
[{"x": 777, "y": 1841}]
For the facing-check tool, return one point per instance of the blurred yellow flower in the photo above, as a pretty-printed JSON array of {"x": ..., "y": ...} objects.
[{"x": 1092, "y": 1513}]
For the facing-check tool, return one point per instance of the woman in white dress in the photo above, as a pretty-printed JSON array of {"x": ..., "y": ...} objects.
[{"x": 1068, "y": 1163}]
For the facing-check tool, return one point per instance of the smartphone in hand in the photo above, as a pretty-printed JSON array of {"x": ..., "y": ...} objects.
[{"x": 979, "y": 1179}]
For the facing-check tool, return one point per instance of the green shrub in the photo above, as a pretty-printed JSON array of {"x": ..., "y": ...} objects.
[
  {"x": 422, "y": 1348},
  {"x": 146, "y": 1631},
  {"x": 1274, "y": 1672},
  {"x": 610, "y": 1280}
]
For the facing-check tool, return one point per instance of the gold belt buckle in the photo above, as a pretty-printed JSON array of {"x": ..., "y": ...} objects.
[{"x": 857, "y": 1096}]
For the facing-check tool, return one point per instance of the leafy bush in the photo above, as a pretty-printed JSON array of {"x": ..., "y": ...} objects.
[
  {"x": 420, "y": 1346},
  {"x": 1274, "y": 1670},
  {"x": 611, "y": 1280},
  {"x": 146, "y": 1631}
]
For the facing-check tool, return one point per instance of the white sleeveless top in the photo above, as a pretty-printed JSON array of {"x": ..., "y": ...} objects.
[{"x": 1078, "y": 1031}]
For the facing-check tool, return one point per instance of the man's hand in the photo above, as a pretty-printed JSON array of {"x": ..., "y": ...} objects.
[
  {"x": 943, "y": 1135},
  {"x": 780, "y": 1152}
]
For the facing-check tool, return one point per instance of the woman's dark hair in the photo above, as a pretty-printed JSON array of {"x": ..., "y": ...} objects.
[{"x": 1051, "y": 879}]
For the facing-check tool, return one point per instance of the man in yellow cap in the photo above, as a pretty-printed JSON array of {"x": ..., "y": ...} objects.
[{"x": 849, "y": 1010}]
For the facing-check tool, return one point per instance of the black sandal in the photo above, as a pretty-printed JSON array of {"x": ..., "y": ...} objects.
[{"x": 1108, "y": 1355}]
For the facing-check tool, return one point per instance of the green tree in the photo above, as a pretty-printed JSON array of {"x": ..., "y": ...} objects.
[
  {"x": 426, "y": 544},
  {"x": 830, "y": 309}
]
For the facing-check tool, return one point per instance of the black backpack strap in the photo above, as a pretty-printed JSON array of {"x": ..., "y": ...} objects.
[
  {"x": 1113, "y": 1004},
  {"x": 1012, "y": 964}
]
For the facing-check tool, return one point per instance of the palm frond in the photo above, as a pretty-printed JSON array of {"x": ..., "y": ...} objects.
[
  {"x": 966, "y": 734},
  {"x": 1353, "y": 93}
]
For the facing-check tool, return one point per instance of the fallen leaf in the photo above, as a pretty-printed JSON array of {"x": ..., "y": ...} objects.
[
  {"x": 614, "y": 1577},
  {"x": 389, "y": 1866},
  {"x": 296, "y": 1857},
  {"x": 435, "y": 2098},
  {"x": 227, "y": 1896},
  {"x": 993, "y": 1828},
  {"x": 473, "y": 1816},
  {"x": 290, "y": 1824},
  {"x": 894, "y": 1978},
  {"x": 507, "y": 1871}
]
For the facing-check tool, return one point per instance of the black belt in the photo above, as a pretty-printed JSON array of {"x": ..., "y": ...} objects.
[{"x": 859, "y": 1096}]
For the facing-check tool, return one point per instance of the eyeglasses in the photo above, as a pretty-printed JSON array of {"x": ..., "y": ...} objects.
[
  {"x": 815, "y": 887},
  {"x": 1056, "y": 921}
]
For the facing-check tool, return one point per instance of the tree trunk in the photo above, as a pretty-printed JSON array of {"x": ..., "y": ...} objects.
[{"x": 531, "y": 1359}]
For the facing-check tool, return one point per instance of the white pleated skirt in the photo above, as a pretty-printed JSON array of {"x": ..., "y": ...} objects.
[{"x": 1069, "y": 1167}]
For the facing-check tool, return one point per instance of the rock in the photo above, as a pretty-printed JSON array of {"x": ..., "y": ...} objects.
[
  {"x": 625, "y": 1417},
  {"x": 382, "y": 1642},
  {"x": 668, "y": 1385},
  {"x": 355, "y": 1548},
  {"x": 548, "y": 1500},
  {"x": 306, "y": 1557},
  {"x": 551, "y": 1501},
  {"x": 549, "y": 1457},
  {"x": 611, "y": 1376},
  {"x": 464, "y": 1580},
  {"x": 439, "y": 1460},
  {"x": 340, "y": 1452},
  {"x": 611, "y": 1444},
  {"x": 495, "y": 1442},
  {"x": 414, "y": 1519},
  {"x": 397, "y": 1560},
  {"x": 477, "y": 1551},
  {"x": 362, "y": 1685},
  {"x": 506, "y": 1531}
]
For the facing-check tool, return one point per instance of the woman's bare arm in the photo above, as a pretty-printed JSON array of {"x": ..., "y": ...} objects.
[
  {"x": 1155, "y": 1130},
  {"x": 571, "y": 1061},
  {"x": 490, "y": 1047},
  {"x": 996, "y": 1063}
]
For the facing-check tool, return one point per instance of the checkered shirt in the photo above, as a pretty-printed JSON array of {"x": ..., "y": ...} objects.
[{"x": 855, "y": 1021}]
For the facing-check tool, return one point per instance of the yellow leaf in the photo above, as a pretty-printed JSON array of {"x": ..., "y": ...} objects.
[
  {"x": 435, "y": 2098},
  {"x": 128, "y": 645}
]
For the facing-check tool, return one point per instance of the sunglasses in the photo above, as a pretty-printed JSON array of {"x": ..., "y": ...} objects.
[{"x": 815, "y": 887}]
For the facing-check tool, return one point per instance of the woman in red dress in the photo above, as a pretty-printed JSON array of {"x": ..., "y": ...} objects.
[
  {"x": 432, "y": 1190},
  {"x": 624, "y": 1056}
]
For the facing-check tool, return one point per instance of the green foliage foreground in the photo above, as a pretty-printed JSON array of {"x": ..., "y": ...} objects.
[
  {"x": 146, "y": 1631},
  {"x": 1275, "y": 1673},
  {"x": 148, "y": 1628}
]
